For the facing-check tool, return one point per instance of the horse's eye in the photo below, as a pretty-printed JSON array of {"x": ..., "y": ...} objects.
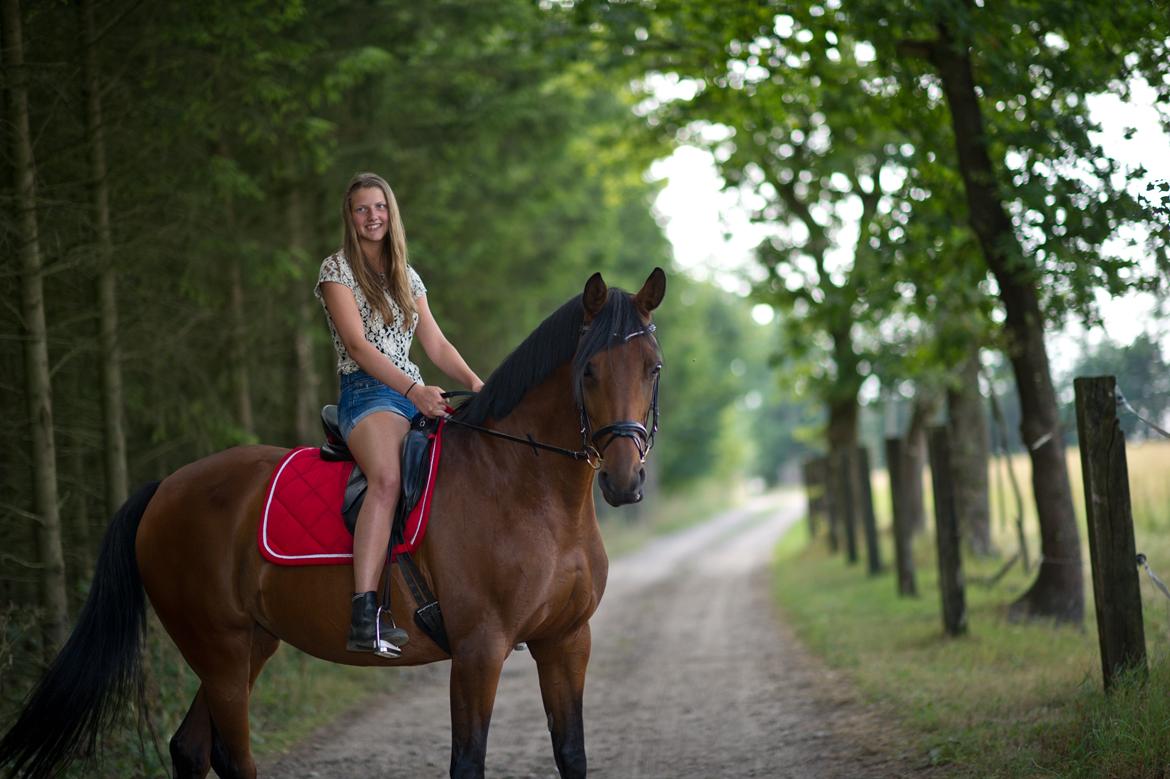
[
  {"x": 657, "y": 369},
  {"x": 588, "y": 372}
]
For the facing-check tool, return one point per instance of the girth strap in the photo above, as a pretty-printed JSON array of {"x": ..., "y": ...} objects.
[{"x": 427, "y": 616}]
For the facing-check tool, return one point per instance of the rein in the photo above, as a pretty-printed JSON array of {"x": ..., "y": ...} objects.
[
  {"x": 590, "y": 452},
  {"x": 576, "y": 454}
]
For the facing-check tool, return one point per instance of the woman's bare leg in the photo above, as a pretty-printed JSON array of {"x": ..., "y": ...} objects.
[{"x": 376, "y": 443}]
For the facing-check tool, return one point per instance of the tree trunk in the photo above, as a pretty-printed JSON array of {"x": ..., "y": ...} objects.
[
  {"x": 844, "y": 503},
  {"x": 80, "y": 536},
  {"x": 36, "y": 347},
  {"x": 842, "y": 396},
  {"x": 914, "y": 459},
  {"x": 113, "y": 418},
  {"x": 967, "y": 423},
  {"x": 307, "y": 382},
  {"x": 842, "y": 437},
  {"x": 1058, "y": 591},
  {"x": 903, "y": 533},
  {"x": 238, "y": 335}
]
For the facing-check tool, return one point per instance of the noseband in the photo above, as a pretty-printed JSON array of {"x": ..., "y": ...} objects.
[{"x": 595, "y": 443}]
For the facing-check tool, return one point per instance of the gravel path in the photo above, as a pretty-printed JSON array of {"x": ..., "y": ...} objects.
[{"x": 692, "y": 675}]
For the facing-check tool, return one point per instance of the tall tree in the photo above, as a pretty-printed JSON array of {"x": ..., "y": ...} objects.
[
  {"x": 38, "y": 387},
  {"x": 1037, "y": 85},
  {"x": 113, "y": 417},
  {"x": 816, "y": 179},
  {"x": 1059, "y": 589},
  {"x": 1041, "y": 197},
  {"x": 306, "y": 379}
]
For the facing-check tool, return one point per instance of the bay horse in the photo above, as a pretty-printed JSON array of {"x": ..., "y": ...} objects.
[{"x": 513, "y": 553}]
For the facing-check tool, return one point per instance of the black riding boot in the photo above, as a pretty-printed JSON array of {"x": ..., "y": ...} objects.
[{"x": 365, "y": 632}]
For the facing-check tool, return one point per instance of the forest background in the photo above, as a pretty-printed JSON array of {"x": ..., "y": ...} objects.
[{"x": 172, "y": 172}]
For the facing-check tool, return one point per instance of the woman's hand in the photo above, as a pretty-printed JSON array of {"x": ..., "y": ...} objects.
[{"x": 428, "y": 398}]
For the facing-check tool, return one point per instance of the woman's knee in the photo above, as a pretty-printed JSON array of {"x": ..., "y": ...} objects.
[{"x": 384, "y": 486}]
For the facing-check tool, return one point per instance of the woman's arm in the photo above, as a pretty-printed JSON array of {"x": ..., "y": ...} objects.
[
  {"x": 347, "y": 320},
  {"x": 445, "y": 356}
]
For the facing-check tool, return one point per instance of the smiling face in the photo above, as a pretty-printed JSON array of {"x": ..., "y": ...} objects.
[{"x": 370, "y": 213}]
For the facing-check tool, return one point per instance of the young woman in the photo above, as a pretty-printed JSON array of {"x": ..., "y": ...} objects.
[{"x": 375, "y": 303}]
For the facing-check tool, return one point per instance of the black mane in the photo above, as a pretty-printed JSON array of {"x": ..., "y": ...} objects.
[{"x": 553, "y": 343}]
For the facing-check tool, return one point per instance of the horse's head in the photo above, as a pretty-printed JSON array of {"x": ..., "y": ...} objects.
[{"x": 616, "y": 369}]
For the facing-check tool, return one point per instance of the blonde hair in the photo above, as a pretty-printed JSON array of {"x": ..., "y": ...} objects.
[{"x": 392, "y": 260}]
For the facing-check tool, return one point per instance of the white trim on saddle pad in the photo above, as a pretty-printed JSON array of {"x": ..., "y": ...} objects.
[{"x": 268, "y": 550}]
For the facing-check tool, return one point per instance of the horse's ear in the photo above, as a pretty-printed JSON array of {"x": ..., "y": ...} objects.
[
  {"x": 652, "y": 292},
  {"x": 594, "y": 296}
]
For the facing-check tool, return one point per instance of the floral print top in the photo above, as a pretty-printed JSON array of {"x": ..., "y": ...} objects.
[{"x": 390, "y": 339}]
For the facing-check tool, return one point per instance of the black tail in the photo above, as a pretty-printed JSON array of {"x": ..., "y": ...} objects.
[{"x": 100, "y": 664}]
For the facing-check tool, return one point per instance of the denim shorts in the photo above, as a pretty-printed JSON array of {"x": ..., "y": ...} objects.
[{"x": 362, "y": 395}]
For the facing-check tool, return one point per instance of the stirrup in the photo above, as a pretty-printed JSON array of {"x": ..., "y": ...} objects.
[{"x": 384, "y": 646}]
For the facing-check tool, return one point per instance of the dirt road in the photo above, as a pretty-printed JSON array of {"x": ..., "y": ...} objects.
[{"x": 692, "y": 675}]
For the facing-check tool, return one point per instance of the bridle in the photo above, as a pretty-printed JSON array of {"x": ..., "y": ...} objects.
[
  {"x": 592, "y": 449},
  {"x": 635, "y": 431}
]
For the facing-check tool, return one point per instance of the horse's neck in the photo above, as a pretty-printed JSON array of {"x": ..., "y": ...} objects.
[{"x": 549, "y": 414}]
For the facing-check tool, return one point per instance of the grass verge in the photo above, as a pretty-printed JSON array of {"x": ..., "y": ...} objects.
[{"x": 1007, "y": 700}]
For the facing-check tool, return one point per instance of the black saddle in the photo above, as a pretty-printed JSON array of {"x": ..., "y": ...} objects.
[{"x": 415, "y": 450}]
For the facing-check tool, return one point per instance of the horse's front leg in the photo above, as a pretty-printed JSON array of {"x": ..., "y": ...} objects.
[
  {"x": 475, "y": 675},
  {"x": 561, "y": 664}
]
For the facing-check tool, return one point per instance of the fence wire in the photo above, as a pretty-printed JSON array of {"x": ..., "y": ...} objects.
[
  {"x": 1161, "y": 585},
  {"x": 1124, "y": 403}
]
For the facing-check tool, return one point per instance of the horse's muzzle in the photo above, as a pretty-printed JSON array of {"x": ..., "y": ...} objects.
[{"x": 616, "y": 494}]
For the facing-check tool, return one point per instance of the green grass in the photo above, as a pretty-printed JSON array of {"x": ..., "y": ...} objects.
[
  {"x": 294, "y": 694},
  {"x": 1008, "y": 699}
]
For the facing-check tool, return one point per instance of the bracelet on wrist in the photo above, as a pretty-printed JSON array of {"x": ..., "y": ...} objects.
[{"x": 408, "y": 389}]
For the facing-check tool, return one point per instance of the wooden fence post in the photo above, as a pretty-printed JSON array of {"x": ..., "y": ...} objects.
[
  {"x": 864, "y": 494},
  {"x": 946, "y": 518},
  {"x": 903, "y": 530},
  {"x": 1116, "y": 588},
  {"x": 844, "y": 470}
]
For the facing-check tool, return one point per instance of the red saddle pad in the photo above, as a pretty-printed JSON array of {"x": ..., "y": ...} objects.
[{"x": 301, "y": 523}]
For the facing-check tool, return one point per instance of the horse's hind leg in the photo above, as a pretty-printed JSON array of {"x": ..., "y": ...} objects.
[
  {"x": 561, "y": 664},
  {"x": 191, "y": 744},
  {"x": 197, "y": 745}
]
